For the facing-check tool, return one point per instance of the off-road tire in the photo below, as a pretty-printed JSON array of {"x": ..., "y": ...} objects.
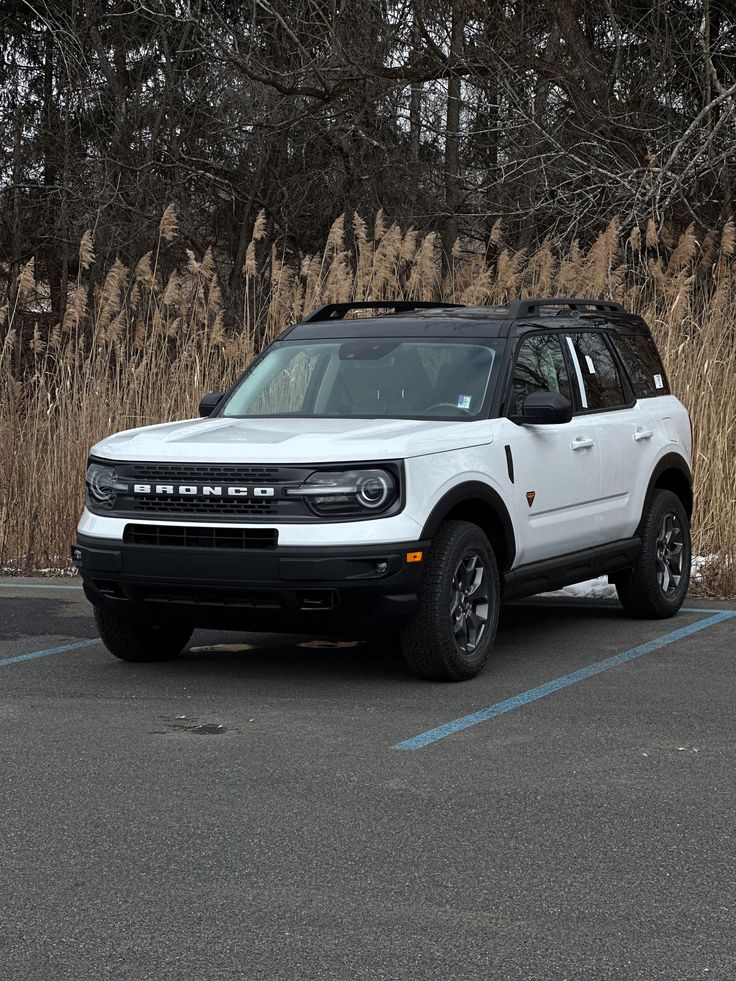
[
  {"x": 428, "y": 640},
  {"x": 132, "y": 641},
  {"x": 640, "y": 591}
]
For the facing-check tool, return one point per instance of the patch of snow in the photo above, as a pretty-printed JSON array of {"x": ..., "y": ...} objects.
[
  {"x": 701, "y": 561},
  {"x": 600, "y": 588},
  {"x": 69, "y": 572}
]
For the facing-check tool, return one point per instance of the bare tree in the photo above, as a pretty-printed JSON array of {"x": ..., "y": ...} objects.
[{"x": 552, "y": 116}]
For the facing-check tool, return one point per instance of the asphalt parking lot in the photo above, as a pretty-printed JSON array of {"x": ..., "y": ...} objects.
[{"x": 285, "y": 808}]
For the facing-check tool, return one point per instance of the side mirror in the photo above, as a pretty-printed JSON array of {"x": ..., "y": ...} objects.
[
  {"x": 544, "y": 409},
  {"x": 210, "y": 402}
]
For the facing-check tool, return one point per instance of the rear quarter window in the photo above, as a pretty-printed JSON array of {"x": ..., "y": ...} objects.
[{"x": 643, "y": 364}]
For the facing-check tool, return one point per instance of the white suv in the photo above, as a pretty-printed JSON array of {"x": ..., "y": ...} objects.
[{"x": 414, "y": 468}]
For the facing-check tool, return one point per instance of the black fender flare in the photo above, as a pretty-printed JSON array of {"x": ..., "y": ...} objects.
[
  {"x": 473, "y": 491},
  {"x": 671, "y": 461}
]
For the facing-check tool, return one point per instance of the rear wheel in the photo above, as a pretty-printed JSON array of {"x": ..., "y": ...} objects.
[
  {"x": 658, "y": 583},
  {"x": 131, "y": 641},
  {"x": 451, "y": 634}
]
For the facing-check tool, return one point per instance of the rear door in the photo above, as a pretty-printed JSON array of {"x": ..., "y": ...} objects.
[
  {"x": 627, "y": 437},
  {"x": 556, "y": 467},
  {"x": 660, "y": 420}
]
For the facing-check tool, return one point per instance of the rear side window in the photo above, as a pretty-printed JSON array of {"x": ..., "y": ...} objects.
[
  {"x": 540, "y": 367},
  {"x": 599, "y": 374},
  {"x": 641, "y": 358}
]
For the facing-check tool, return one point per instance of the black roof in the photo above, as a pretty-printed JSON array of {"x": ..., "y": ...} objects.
[{"x": 426, "y": 319}]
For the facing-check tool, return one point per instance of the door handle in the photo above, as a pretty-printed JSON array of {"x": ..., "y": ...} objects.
[
  {"x": 582, "y": 444},
  {"x": 643, "y": 434}
]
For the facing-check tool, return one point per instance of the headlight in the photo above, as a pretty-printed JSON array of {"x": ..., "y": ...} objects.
[
  {"x": 374, "y": 488},
  {"x": 348, "y": 492},
  {"x": 102, "y": 485}
]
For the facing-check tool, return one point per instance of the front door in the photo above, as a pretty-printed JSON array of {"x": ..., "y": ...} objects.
[{"x": 557, "y": 471}]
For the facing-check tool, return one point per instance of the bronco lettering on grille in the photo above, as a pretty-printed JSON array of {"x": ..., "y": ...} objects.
[{"x": 200, "y": 490}]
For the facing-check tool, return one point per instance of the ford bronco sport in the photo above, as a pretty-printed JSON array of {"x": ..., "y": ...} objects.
[{"x": 412, "y": 468}]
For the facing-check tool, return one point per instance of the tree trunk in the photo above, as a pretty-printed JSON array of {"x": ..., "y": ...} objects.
[
  {"x": 528, "y": 227},
  {"x": 50, "y": 176},
  {"x": 415, "y": 119},
  {"x": 16, "y": 251},
  {"x": 452, "y": 136}
]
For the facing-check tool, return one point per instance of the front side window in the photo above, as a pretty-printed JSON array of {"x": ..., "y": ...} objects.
[
  {"x": 599, "y": 374},
  {"x": 540, "y": 367},
  {"x": 368, "y": 378}
]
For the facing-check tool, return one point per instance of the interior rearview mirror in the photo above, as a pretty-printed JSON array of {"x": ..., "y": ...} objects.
[
  {"x": 544, "y": 408},
  {"x": 210, "y": 402}
]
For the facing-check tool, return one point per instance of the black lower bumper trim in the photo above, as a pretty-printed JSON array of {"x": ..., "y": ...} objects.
[{"x": 282, "y": 589}]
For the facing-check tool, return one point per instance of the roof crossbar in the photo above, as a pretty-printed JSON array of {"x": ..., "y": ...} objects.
[
  {"x": 336, "y": 311},
  {"x": 531, "y": 308}
]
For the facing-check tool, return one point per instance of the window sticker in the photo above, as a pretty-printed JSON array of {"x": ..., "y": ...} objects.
[
  {"x": 658, "y": 381},
  {"x": 463, "y": 401},
  {"x": 589, "y": 362}
]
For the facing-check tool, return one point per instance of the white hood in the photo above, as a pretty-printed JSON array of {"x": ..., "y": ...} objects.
[{"x": 291, "y": 440}]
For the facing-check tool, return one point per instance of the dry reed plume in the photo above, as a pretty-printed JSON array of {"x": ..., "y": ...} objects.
[{"x": 133, "y": 349}]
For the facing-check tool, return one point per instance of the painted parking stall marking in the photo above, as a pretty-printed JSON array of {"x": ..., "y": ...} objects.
[
  {"x": 46, "y": 652},
  {"x": 557, "y": 684}
]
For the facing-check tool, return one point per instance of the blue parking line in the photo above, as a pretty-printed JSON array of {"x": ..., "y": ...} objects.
[
  {"x": 557, "y": 684},
  {"x": 49, "y": 650},
  {"x": 700, "y": 609}
]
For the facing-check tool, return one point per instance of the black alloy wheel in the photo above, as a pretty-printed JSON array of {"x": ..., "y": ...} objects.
[
  {"x": 670, "y": 553},
  {"x": 469, "y": 601},
  {"x": 656, "y": 586},
  {"x": 450, "y": 636}
]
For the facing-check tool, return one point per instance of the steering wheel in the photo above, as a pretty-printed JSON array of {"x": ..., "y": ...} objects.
[{"x": 448, "y": 405}]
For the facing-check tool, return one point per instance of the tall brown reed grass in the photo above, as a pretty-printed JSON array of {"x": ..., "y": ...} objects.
[{"x": 134, "y": 349}]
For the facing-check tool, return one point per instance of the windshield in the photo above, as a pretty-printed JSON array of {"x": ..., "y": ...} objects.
[{"x": 368, "y": 378}]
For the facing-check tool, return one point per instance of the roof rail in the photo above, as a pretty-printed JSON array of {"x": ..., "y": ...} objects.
[
  {"x": 336, "y": 311},
  {"x": 531, "y": 308}
]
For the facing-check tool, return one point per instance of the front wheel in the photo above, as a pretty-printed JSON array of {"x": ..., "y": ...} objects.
[
  {"x": 132, "y": 641},
  {"x": 657, "y": 585},
  {"x": 451, "y": 634}
]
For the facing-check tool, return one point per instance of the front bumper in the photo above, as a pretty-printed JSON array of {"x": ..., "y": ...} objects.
[{"x": 291, "y": 589}]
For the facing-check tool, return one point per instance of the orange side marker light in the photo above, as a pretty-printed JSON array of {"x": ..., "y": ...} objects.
[{"x": 414, "y": 556}]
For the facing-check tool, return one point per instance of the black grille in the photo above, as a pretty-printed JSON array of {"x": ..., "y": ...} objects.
[
  {"x": 206, "y": 473},
  {"x": 260, "y": 493},
  {"x": 174, "y": 504},
  {"x": 209, "y": 507},
  {"x": 178, "y": 536}
]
